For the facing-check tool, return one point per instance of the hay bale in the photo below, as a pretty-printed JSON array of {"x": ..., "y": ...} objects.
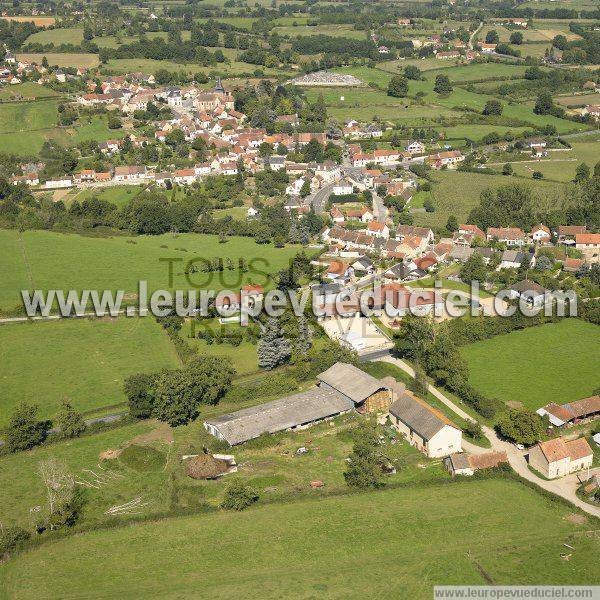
[{"x": 205, "y": 466}]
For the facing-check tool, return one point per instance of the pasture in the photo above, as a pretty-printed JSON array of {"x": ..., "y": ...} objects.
[
  {"x": 83, "y": 360},
  {"x": 47, "y": 260},
  {"x": 557, "y": 362},
  {"x": 456, "y": 193},
  {"x": 405, "y": 528},
  {"x": 87, "y": 61},
  {"x": 57, "y": 36}
]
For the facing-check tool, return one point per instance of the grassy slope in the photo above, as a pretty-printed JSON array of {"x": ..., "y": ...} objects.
[
  {"x": 552, "y": 363},
  {"x": 65, "y": 261},
  {"x": 457, "y": 193},
  {"x": 82, "y": 360},
  {"x": 375, "y": 544}
]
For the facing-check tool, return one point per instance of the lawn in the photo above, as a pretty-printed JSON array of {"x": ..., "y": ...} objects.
[
  {"x": 65, "y": 261},
  {"x": 79, "y": 359},
  {"x": 456, "y": 193},
  {"x": 372, "y": 544},
  {"x": 557, "y": 362}
]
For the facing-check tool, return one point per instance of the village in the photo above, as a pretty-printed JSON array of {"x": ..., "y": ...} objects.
[{"x": 299, "y": 299}]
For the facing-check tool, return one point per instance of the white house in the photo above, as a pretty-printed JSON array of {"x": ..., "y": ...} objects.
[
  {"x": 342, "y": 188},
  {"x": 184, "y": 176},
  {"x": 130, "y": 173},
  {"x": 530, "y": 291},
  {"x": 541, "y": 234},
  {"x": 424, "y": 427},
  {"x": 378, "y": 229},
  {"x": 63, "y": 182},
  {"x": 416, "y": 147},
  {"x": 559, "y": 457},
  {"x": 511, "y": 259}
]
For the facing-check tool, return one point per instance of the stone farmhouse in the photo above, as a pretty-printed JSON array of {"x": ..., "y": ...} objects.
[{"x": 559, "y": 457}]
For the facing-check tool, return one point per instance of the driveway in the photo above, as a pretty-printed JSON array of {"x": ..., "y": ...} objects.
[{"x": 564, "y": 487}]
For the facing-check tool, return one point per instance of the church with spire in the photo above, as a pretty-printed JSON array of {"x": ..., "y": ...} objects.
[{"x": 219, "y": 97}]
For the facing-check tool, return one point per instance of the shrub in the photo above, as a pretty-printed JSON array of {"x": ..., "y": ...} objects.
[
  {"x": 24, "y": 429},
  {"x": 12, "y": 538},
  {"x": 239, "y": 496}
]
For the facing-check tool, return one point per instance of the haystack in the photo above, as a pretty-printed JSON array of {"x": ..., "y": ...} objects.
[{"x": 205, "y": 466}]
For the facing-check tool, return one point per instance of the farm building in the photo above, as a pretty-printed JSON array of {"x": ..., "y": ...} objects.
[
  {"x": 562, "y": 414},
  {"x": 341, "y": 388},
  {"x": 367, "y": 393},
  {"x": 466, "y": 464},
  {"x": 559, "y": 457},
  {"x": 424, "y": 427}
]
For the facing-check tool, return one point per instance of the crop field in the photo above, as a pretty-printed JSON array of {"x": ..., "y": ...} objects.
[
  {"x": 557, "y": 362},
  {"x": 79, "y": 359},
  {"x": 38, "y": 21},
  {"x": 500, "y": 546},
  {"x": 576, "y": 99},
  {"x": 87, "y": 61},
  {"x": 46, "y": 260},
  {"x": 456, "y": 193},
  {"x": 57, "y": 36}
]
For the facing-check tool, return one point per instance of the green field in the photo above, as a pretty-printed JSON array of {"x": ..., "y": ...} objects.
[
  {"x": 393, "y": 543},
  {"x": 345, "y": 31},
  {"x": 47, "y": 260},
  {"x": 561, "y": 166},
  {"x": 62, "y": 59},
  {"x": 557, "y": 362},
  {"x": 79, "y": 359},
  {"x": 57, "y": 36},
  {"x": 365, "y": 102},
  {"x": 456, "y": 193}
]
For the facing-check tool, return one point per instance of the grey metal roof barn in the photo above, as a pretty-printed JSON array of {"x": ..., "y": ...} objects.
[
  {"x": 286, "y": 413},
  {"x": 351, "y": 382},
  {"x": 419, "y": 416}
]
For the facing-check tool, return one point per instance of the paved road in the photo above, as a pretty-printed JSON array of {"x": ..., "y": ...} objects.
[
  {"x": 319, "y": 198},
  {"x": 563, "y": 487}
]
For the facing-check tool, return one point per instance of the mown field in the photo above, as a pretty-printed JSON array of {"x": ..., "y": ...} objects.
[
  {"x": 82, "y": 360},
  {"x": 462, "y": 533},
  {"x": 557, "y": 362},
  {"x": 456, "y": 193},
  {"x": 47, "y": 260}
]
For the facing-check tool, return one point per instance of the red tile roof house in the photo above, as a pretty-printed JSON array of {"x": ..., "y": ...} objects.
[
  {"x": 567, "y": 233},
  {"x": 589, "y": 245},
  {"x": 473, "y": 229},
  {"x": 511, "y": 236},
  {"x": 558, "y": 457},
  {"x": 540, "y": 233},
  {"x": 572, "y": 265}
]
